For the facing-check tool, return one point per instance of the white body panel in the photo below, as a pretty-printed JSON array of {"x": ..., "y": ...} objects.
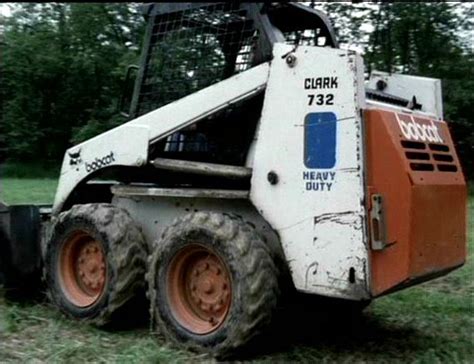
[
  {"x": 427, "y": 90},
  {"x": 318, "y": 213},
  {"x": 155, "y": 213}
]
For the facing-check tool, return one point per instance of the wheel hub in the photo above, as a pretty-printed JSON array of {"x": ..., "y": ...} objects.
[
  {"x": 199, "y": 289},
  {"x": 91, "y": 266},
  {"x": 82, "y": 269}
]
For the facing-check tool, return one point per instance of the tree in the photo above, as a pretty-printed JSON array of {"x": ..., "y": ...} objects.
[{"x": 61, "y": 69}]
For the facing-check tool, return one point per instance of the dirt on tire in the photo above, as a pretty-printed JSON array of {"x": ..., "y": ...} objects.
[
  {"x": 254, "y": 280},
  {"x": 125, "y": 251}
]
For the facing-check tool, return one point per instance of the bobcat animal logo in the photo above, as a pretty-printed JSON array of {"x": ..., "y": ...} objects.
[{"x": 75, "y": 158}]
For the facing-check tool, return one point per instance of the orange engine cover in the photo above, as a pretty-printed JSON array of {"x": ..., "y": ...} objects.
[{"x": 412, "y": 164}]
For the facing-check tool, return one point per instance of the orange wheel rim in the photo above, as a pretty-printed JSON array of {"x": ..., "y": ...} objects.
[
  {"x": 82, "y": 269},
  {"x": 199, "y": 289}
]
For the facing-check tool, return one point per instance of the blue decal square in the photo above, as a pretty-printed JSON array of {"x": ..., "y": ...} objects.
[{"x": 320, "y": 140}]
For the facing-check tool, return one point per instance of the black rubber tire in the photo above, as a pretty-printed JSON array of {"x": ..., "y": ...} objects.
[
  {"x": 125, "y": 251},
  {"x": 253, "y": 274}
]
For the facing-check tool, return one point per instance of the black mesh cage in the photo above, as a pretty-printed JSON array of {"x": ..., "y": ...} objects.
[
  {"x": 192, "y": 49},
  {"x": 189, "y": 46}
]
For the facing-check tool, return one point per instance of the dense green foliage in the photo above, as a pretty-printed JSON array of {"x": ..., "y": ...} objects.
[
  {"x": 62, "y": 65},
  {"x": 61, "y": 71}
]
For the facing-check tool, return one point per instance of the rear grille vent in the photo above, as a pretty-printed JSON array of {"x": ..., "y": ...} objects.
[
  {"x": 442, "y": 157},
  {"x": 421, "y": 166},
  {"x": 413, "y": 145},
  {"x": 417, "y": 156},
  {"x": 439, "y": 147},
  {"x": 429, "y": 157},
  {"x": 447, "y": 168}
]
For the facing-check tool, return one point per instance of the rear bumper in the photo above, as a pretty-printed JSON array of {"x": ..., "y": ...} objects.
[{"x": 417, "y": 280}]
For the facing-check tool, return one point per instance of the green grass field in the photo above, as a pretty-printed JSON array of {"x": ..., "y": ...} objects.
[{"x": 429, "y": 323}]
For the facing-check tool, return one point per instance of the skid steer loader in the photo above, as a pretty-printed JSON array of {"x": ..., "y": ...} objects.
[{"x": 256, "y": 156}]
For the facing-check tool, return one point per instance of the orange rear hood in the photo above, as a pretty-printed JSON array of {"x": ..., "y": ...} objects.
[{"x": 411, "y": 162}]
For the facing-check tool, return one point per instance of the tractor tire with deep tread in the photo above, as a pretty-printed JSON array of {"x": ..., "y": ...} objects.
[
  {"x": 124, "y": 257},
  {"x": 252, "y": 274}
]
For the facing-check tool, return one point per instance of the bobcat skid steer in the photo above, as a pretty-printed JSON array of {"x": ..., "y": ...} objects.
[{"x": 255, "y": 150}]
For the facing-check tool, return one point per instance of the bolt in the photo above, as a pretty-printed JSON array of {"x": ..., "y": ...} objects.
[
  {"x": 291, "y": 60},
  {"x": 205, "y": 306},
  {"x": 272, "y": 177},
  {"x": 209, "y": 288},
  {"x": 217, "y": 307},
  {"x": 381, "y": 85}
]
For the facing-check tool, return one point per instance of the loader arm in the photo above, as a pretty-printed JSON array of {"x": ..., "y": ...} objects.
[{"x": 127, "y": 144}]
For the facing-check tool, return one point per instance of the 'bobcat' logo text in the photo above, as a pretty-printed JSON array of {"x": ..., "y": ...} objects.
[{"x": 100, "y": 162}]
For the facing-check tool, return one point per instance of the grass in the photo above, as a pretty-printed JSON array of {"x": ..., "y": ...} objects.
[
  {"x": 27, "y": 190},
  {"x": 429, "y": 323}
]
